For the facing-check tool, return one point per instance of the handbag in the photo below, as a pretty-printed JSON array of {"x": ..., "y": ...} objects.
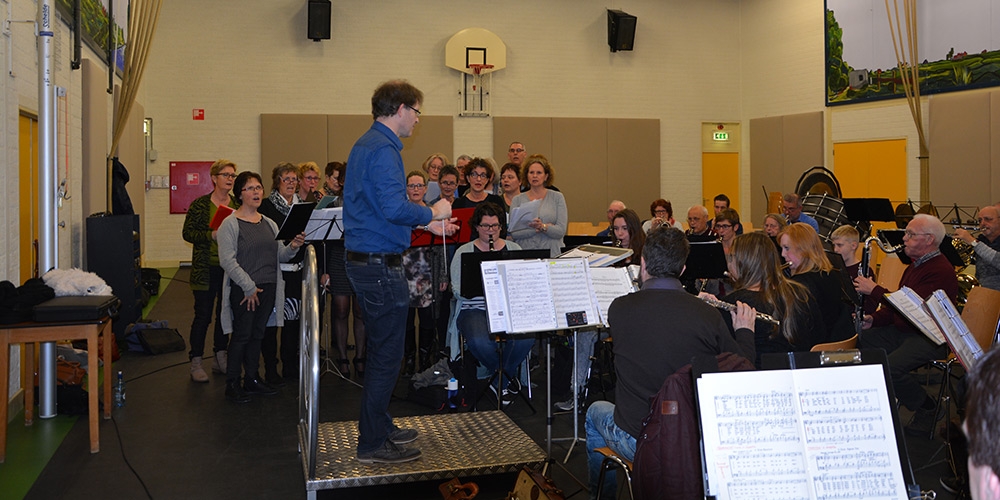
[
  {"x": 455, "y": 490},
  {"x": 67, "y": 372},
  {"x": 532, "y": 485}
]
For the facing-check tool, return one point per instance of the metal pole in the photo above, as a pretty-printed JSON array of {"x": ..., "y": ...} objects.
[{"x": 47, "y": 246}]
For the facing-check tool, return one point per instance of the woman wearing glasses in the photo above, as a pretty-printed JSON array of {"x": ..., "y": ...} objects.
[
  {"x": 206, "y": 275},
  {"x": 472, "y": 321},
  {"x": 251, "y": 258},
  {"x": 663, "y": 214},
  {"x": 480, "y": 175},
  {"x": 309, "y": 182},
  {"x": 424, "y": 268},
  {"x": 547, "y": 229},
  {"x": 284, "y": 193}
]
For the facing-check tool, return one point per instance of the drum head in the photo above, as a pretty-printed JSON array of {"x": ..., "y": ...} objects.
[{"x": 904, "y": 214}]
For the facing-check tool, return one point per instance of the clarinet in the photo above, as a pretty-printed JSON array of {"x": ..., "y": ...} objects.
[{"x": 491, "y": 242}]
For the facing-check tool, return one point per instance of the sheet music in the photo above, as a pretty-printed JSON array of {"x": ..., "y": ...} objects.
[
  {"x": 495, "y": 294},
  {"x": 960, "y": 339},
  {"x": 529, "y": 298},
  {"x": 522, "y": 215},
  {"x": 325, "y": 224},
  {"x": 911, "y": 305},
  {"x": 570, "y": 291},
  {"x": 818, "y": 433},
  {"x": 609, "y": 284},
  {"x": 597, "y": 255}
]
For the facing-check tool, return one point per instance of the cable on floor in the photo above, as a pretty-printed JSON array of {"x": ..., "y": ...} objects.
[{"x": 121, "y": 446}]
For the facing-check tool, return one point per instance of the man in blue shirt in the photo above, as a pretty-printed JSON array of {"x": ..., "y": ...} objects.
[
  {"x": 792, "y": 205},
  {"x": 378, "y": 220}
]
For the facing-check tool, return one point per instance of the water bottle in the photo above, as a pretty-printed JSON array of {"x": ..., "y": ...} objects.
[
  {"x": 119, "y": 393},
  {"x": 452, "y": 392}
]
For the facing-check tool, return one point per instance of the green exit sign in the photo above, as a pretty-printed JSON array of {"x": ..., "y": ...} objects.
[{"x": 720, "y": 136}]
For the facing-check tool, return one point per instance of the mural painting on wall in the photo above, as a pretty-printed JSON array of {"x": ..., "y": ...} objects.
[
  {"x": 94, "y": 24},
  {"x": 958, "y": 48}
]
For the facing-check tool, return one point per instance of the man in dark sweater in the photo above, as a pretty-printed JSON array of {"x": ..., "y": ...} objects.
[
  {"x": 657, "y": 331},
  {"x": 887, "y": 329}
]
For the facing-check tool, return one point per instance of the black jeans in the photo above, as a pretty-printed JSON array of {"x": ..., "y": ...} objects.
[
  {"x": 248, "y": 331},
  {"x": 204, "y": 302}
]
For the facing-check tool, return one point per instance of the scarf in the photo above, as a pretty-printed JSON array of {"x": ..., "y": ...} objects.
[{"x": 280, "y": 203}]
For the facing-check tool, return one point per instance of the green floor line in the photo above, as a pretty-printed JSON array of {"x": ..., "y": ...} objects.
[
  {"x": 29, "y": 449},
  {"x": 166, "y": 274}
]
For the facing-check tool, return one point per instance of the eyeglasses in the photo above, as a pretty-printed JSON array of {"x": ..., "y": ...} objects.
[
  {"x": 660, "y": 211},
  {"x": 416, "y": 186},
  {"x": 448, "y": 183},
  {"x": 227, "y": 175},
  {"x": 515, "y": 150},
  {"x": 909, "y": 234},
  {"x": 724, "y": 226},
  {"x": 489, "y": 227},
  {"x": 254, "y": 188},
  {"x": 290, "y": 180},
  {"x": 415, "y": 110},
  {"x": 482, "y": 175},
  {"x": 311, "y": 178},
  {"x": 985, "y": 219}
]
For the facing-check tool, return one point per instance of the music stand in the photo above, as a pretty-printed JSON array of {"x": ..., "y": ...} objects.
[
  {"x": 707, "y": 260},
  {"x": 325, "y": 224},
  {"x": 296, "y": 220},
  {"x": 869, "y": 209}
]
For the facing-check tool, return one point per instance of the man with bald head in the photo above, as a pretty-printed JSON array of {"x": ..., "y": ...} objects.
[
  {"x": 986, "y": 246},
  {"x": 613, "y": 208},
  {"x": 887, "y": 329},
  {"x": 698, "y": 221}
]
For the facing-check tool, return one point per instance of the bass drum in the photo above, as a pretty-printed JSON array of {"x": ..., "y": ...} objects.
[{"x": 830, "y": 214}]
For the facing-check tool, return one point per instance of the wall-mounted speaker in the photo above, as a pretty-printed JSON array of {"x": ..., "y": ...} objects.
[
  {"x": 621, "y": 30},
  {"x": 319, "y": 20}
]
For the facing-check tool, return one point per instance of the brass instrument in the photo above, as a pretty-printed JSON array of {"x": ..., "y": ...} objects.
[{"x": 726, "y": 306}]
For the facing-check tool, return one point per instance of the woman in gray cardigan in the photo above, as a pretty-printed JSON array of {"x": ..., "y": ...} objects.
[
  {"x": 250, "y": 257},
  {"x": 548, "y": 228}
]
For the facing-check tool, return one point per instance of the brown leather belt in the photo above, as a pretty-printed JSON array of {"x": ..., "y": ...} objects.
[{"x": 389, "y": 259}]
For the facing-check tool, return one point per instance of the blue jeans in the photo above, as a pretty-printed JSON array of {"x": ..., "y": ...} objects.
[
  {"x": 384, "y": 296},
  {"x": 475, "y": 326},
  {"x": 204, "y": 302},
  {"x": 601, "y": 432}
]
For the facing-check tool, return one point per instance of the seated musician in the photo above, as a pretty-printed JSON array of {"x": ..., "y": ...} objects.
[
  {"x": 698, "y": 221},
  {"x": 759, "y": 282},
  {"x": 986, "y": 246},
  {"x": 846, "y": 240},
  {"x": 657, "y": 331},
  {"x": 472, "y": 320},
  {"x": 802, "y": 249},
  {"x": 889, "y": 330},
  {"x": 791, "y": 204}
]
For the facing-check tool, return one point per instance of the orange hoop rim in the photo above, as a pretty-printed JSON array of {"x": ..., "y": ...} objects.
[{"x": 478, "y": 68}]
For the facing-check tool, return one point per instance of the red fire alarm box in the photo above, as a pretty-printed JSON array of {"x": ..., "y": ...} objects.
[{"x": 188, "y": 180}]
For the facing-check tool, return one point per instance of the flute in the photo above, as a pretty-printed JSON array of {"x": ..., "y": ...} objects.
[{"x": 726, "y": 306}]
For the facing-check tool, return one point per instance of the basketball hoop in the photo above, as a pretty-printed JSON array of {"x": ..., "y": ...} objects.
[{"x": 478, "y": 68}]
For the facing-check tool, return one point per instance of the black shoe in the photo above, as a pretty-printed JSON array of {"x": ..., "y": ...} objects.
[
  {"x": 235, "y": 393},
  {"x": 389, "y": 453},
  {"x": 923, "y": 422},
  {"x": 403, "y": 436},
  {"x": 514, "y": 386},
  {"x": 255, "y": 386},
  {"x": 274, "y": 380}
]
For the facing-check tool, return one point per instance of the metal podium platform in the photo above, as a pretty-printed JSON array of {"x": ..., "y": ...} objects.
[
  {"x": 454, "y": 444},
  {"x": 457, "y": 444}
]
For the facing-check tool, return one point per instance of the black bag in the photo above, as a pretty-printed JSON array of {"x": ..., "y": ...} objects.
[
  {"x": 153, "y": 338},
  {"x": 77, "y": 308},
  {"x": 150, "y": 280},
  {"x": 435, "y": 397}
]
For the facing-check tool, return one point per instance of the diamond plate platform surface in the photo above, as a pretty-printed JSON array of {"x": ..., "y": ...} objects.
[{"x": 458, "y": 444}]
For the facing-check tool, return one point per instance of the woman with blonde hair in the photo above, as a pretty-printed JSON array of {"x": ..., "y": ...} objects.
[
  {"x": 809, "y": 265},
  {"x": 309, "y": 178},
  {"x": 433, "y": 165},
  {"x": 759, "y": 282}
]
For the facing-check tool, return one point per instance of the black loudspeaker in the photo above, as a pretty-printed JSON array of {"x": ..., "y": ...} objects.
[
  {"x": 621, "y": 30},
  {"x": 319, "y": 20},
  {"x": 113, "y": 253}
]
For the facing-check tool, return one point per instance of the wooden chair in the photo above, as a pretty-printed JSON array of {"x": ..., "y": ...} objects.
[
  {"x": 584, "y": 229},
  {"x": 611, "y": 459},
  {"x": 843, "y": 345},
  {"x": 890, "y": 272},
  {"x": 981, "y": 316}
]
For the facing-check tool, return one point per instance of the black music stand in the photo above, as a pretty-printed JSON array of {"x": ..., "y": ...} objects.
[
  {"x": 707, "y": 260},
  {"x": 869, "y": 209}
]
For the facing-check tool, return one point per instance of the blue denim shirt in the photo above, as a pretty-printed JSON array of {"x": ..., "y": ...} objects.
[{"x": 378, "y": 218}]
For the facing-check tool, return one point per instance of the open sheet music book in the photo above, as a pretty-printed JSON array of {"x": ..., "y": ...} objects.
[
  {"x": 813, "y": 433},
  {"x": 598, "y": 255},
  {"x": 910, "y": 305},
  {"x": 549, "y": 294},
  {"x": 960, "y": 339}
]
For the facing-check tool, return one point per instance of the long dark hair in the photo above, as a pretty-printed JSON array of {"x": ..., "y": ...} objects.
[
  {"x": 757, "y": 264},
  {"x": 636, "y": 236}
]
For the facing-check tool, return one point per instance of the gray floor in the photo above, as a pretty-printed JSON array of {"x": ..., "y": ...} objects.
[{"x": 177, "y": 439}]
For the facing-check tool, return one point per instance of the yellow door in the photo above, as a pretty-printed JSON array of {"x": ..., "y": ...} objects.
[
  {"x": 720, "y": 174},
  {"x": 872, "y": 169},
  {"x": 28, "y": 196}
]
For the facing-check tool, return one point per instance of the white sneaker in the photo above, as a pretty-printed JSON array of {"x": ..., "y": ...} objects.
[
  {"x": 197, "y": 372},
  {"x": 219, "y": 362}
]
